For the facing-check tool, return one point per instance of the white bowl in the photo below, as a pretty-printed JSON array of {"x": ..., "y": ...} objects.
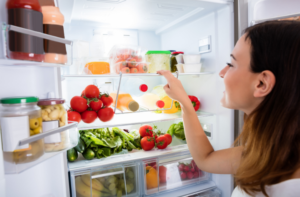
[
  {"x": 192, "y": 59},
  {"x": 180, "y": 68},
  {"x": 192, "y": 68}
]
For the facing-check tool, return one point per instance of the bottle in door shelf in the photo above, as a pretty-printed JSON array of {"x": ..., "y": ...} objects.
[
  {"x": 26, "y": 14},
  {"x": 53, "y": 21},
  {"x": 150, "y": 101},
  {"x": 125, "y": 102}
]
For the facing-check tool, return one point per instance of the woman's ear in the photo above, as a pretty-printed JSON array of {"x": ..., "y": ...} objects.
[{"x": 264, "y": 84}]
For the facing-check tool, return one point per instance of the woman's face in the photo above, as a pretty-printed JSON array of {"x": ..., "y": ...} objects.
[{"x": 239, "y": 80}]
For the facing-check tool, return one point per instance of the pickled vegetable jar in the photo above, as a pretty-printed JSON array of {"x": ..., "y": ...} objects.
[
  {"x": 159, "y": 60},
  {"x": 54, "y": 116},
  {"x": 20, "y": 118}
]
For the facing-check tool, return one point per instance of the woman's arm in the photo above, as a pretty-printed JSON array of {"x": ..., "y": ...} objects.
[{"x": 223, "y": 161}]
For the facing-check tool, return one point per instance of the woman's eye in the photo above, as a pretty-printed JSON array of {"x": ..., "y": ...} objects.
[{"x": 230, "y": 65}]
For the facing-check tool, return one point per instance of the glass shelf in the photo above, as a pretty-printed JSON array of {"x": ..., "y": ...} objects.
[
  {"x": 13, "y": 163},
  {"x": 136, "y": 118},
  {"x": 131, "y": 75},
  {"x": 7, "y": 61}
]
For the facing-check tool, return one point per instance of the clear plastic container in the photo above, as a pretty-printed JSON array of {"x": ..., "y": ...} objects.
[
  {"x": 20, "y": 118},
  {"x": 54, "y": 116},
  {"x": 158, "y": 60}
]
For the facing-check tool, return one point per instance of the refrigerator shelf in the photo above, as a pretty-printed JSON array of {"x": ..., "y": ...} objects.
[
  {"x": 136, "y": 118},
  {"x": 132, "y": 75},
  {"x": 42, "y": 151},
  {"x": 6, "y": 28}
]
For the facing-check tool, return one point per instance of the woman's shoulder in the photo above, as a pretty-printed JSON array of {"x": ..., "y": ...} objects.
[{"x": 288, "y": 188}]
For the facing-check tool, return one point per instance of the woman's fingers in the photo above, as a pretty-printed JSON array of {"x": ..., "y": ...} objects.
[{"x": 167, "y": 74}]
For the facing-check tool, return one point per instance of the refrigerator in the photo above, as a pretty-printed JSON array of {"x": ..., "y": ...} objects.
[{"x": 92, "y": 27}]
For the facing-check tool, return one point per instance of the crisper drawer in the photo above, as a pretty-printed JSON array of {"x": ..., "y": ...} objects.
[
  {"x": 120, "y": 180},
  {"x": 209, "y": 193},
  {"x": 170, "y": 173}
]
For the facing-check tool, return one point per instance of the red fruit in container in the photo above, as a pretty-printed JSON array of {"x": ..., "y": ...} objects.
[
  {"x": 169, "y": 138},
  {"x": 181, "y": 167},
  {"x": 146, "y": 130},
  {"x": 147, "y": 143},
  {"x": 106, "y": 100},
  {"x": 78, "y": 104},
  {"x": 106, "y": 114},
  {"x": 96, "y": 104},
  {"x": 190, "y": 175},
  {"x": 192, "y": 169},
  {"x": 196, "y": 174},
  {"x": 161, "y": 142},
  {"x": 182, "y": 175},
  {"x": 89, "y": 116},
  {"x": 91, "y": 91},
  {"x": 162, "y": 174},
  {"x": 74, "y": 116},
  {"x": 186, "y": 169}
]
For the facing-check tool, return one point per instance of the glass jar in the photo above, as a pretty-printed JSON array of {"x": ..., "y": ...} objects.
[
  {"x": 26, "y": 14},
  {"x": 158, "y": 60},
  {"x": 173, "y": 61},
  {"x": 20, "y": 118},
  {"x": 54, "y": 116}
]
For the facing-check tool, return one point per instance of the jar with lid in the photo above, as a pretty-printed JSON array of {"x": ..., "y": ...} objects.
[
  {"x": 54, "y": 116},
  {"x": 173, "y": 60},
  {"x": 26, "y": 14},
  {"x": 20, "y": 118}
]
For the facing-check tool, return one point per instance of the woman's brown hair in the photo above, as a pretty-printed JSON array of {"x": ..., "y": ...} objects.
[{"x": 271, "y": 133}]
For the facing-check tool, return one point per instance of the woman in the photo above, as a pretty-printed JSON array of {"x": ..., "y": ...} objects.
[{"x": 263, "y": 81}]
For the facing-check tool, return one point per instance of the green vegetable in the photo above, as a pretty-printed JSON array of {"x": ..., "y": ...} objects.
[
  {"x": 80, "y": 146},
  {"x": 88, "y": 154},
  {"x": 72, "y": 154},
  {"x": 171, "y": 129},
  {"x": 179, "y": 131}
]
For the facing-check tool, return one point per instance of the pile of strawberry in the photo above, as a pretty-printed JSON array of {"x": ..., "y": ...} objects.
[
  {"x": 90, "y": 105},
  {"x": 151, "y": 139},
  {"x": 189, "y": 171}
]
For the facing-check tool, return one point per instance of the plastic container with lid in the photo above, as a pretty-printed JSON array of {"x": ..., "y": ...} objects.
[
  {"x": 26, "y": 14},
  {"x": 53, "y": 21},
  {"x": 20, "y": 118},
  {"x": 158, "y": 60},
  {"x": 54, "y": 115},
  {"x": 97, "y": 68},
  {"x": 173, "y": 60}
]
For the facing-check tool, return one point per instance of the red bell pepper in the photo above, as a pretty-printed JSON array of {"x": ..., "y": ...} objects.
[{"x": 195, "y": 102}]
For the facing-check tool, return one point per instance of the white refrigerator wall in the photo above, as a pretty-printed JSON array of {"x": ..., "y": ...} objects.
[{"x": 218, "y": 25}]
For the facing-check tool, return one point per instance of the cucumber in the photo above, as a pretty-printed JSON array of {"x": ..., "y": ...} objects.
[
  {"x": 72, "y": 154},
  {"x": 88, "y": 154},
  {"x": 80, "y": 146}
]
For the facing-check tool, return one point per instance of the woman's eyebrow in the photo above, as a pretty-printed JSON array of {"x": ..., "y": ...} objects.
[{"x": 232, "y": 57}]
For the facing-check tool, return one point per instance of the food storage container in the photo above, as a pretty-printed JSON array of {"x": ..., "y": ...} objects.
[
  {"x": 20, "y": 118},
  {"x": 192, "y": 68},
  {"x": 158, "y": 60},
  {"x": 180, "y": 68},
  {"x": 54, "y": 115},
  {"x": 192, "y": 59},
  {"x": 179, "y": 59},
  {"x": 97, "y": 68},
  {"x": 173, "y": 60}
]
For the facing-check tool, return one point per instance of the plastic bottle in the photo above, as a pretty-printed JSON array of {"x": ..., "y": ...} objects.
[
  {"x": 125, "y": 102},
  {"x": 53, "y": 22},
  {"x": 134, "y": 86},
  {"x": 150, "y": 101},
  {"x": 26, "y": 14}
]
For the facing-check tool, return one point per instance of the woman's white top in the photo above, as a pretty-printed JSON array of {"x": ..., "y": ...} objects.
[{"x": 289, "y": 188}]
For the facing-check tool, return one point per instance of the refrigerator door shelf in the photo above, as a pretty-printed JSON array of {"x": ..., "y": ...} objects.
[
  {"x": 11, "y": 166},
  {"x": 210, "y": 193},
  {"x": 172, "y": 172},
  {"x": 116, "y": 180},
  {"x": 57, "y": 59},
  {"x": 136, "y": 118}
]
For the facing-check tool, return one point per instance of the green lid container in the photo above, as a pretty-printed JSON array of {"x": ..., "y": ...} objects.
[
  {"x": 18, "y": 100},
  {"x": 158, "y": 52}
]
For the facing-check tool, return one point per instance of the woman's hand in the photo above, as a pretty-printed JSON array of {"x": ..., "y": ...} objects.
[{"x": 174, "y": 88}]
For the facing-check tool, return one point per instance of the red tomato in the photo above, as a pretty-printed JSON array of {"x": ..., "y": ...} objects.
[
  {"x": 96, "y": 104},
  {"x": 106, "y": 114},
  {"x": 161, "y": 142},
  {"x": 147, "y": 143},
  {"x": 106, "y": 100},
  {"x": 146, "y": 130},
  {"x": 162, "y": 174},
  {"x": 78, "y": 104},
  {"x": 169, "y": 138},
  {"x": 74, "y": 116},
  {"x": 91, "y": 91},
  {"x": 89, "y": 116}
]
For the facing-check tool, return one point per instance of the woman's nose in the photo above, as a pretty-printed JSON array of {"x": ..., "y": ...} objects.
[{"x": 223, "y": 72}]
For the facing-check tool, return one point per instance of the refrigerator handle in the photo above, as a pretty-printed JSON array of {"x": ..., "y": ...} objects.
[
  {"x": 50, "y": 132},
  {"x": 108, "y": 174}
]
